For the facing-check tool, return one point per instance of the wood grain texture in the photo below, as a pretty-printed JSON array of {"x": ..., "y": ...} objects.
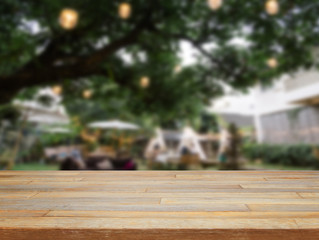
[{"x": 159, "y": 205}]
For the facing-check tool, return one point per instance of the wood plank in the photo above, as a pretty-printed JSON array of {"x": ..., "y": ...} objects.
[
  {"x": 308, "y": 223},
  {"x": 100, "y": 194},
  {"x": 40, "y": 173},
  {"x": 284, "y": 207},
  {"x": 63, "y": 188},
  {"x": 233, "y": 200},
  {"x": 286, "y": 186},
  {"x": 202, "y": 215},
  {"x": 88, "y": 201},
  {"x": 231, "y": 190},
  {"x": 159, "y": 205},
  {"x": 147, "y": 223},
  {"x": 105, "y": 206},
  {"x": 14, "y": 182},
  {"x": 289, "y": 178},
  {"x": 23, "y": 213},
  {"x": 19, "y": 194},
  {"x": 309, "y": 195}
]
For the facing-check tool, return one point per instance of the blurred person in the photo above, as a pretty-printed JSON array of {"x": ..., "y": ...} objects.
[
  {"x": 234, "y": 147},
  {"x": 224, "y": 140},
  {"x": 185, "y": 150},
  {"x": 124, "y": 161},
  {"x": 78, "y": 158},
  {"x": 189, "y": 157},
  {"x": 153, "y": 155},
  {"x": 73, "y": 162}
]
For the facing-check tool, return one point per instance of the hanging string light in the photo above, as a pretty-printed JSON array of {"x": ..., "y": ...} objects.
[
  {"x": 145, "y": 82},
  {"x": 68, "y": 18},
  {"x": 272, "y": 62},
  {"x": 177, "y": 69},
  {"x": 87, "y": 94},
  {"x": 272, "y": 7},
  {"x": 215, "y": 4},
  {"x": 57, "y": 90},
  {"x": 125, "y": 10}
]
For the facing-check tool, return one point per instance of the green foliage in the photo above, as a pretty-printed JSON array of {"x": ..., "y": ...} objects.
[
  {"x": 31, "y": 154},
  {"x": 9, "y": 112},
  {"x": 287, "y": 155},
  {"x": 164, "y": 102},
  {"x": 35, "y": 51},
  {"x": 208, "y": 123},
  {"x": 56, "y": 139}
]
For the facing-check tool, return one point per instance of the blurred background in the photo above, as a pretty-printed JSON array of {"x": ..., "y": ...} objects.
[{"x": 159, "y": 85}]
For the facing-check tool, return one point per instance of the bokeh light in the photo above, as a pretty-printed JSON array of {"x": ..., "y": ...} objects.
[
  {"x": 272, "y": 7},
  {"x": 215, "y": 4},
  {"x": 68, "y": 18},
  {"x": 57, "y": 90},
  {"x": 145, "y": 82},
  {"x": 125, "y": 10},
  {"x": 87, "y": 94},
  {"x": 272, "y": 62},
  {"x": 177, "y": 69}
]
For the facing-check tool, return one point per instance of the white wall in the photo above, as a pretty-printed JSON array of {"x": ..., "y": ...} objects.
[{"x": 259, "y": 101}]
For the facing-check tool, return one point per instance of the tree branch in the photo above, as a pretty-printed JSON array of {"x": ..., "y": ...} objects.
[{"x": 44, "y": 70}]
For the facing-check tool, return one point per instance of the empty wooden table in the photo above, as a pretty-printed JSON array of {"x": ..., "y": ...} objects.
[{"x": 159, "y": 205}]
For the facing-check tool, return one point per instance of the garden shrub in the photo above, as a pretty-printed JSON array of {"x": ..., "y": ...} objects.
[{"x": 289, "y": 155}]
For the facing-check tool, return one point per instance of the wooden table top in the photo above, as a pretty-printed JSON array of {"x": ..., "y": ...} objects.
[{"x": 159, "y": 205}]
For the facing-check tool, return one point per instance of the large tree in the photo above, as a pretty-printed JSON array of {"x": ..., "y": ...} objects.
[{"x": 36, "y": 51}]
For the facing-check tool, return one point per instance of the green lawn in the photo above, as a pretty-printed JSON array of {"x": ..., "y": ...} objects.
[{"x": 35, "y": 167}]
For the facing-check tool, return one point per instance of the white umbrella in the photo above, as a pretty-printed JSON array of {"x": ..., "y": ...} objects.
[{"x": 116, "y": 124}]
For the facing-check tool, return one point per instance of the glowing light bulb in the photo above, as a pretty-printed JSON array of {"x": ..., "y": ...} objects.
[
  {"x": 125, "y": 10},
  {"x": 272, "y": 7},
  {"x": 215, "y": 4},
  {"x": 68, "y": 18},
  {"x": 87, "y": 94},
  {"x": 177, "y": 69},
  {"x": 57, "y": 90},
  {"x": 272, "y": 62},
  {"x": 145, "y": 82}
]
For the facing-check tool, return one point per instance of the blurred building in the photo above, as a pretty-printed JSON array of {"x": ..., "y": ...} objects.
[
  {"x": 38, "y": 117},
  {"x": 43, "y": 113},
  {"x": 286, "y": 112}
]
